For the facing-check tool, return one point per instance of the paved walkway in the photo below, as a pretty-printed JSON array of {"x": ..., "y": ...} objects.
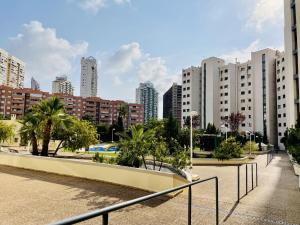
[{"x": 30, "y": 197}]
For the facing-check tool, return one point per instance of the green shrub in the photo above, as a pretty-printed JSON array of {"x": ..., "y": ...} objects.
[
  {"x": 250, "y": 146},
  {"x": 111, "y": 160},
  {"x": 180, "y": 159},
  {"x": 228, "y": 149},
  {"x": 98, "y": 158},
  {"x": 125, "y": 158},
  {"x": 295, "y": 152}
]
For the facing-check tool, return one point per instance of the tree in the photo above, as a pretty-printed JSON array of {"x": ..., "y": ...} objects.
[
  {"x": 228, "y": 149},
  {"x": 30, "y": 130},
  {"x": 49, "y": 112},
  {"x": 123, "y": 112},
  {"x": 135, "y": 144},
  {"x": 171, "y": 127},
  {"x": 6, "y": 131},
  {"x": 211, "y": 129},
  {"x": 75, "y": 134},
  {"x": 234, "y": 121},
  {"x": 88, "y": 118},
  {"x": 195, "y": 121}
]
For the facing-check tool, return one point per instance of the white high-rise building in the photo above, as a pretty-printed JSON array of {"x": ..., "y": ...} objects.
[
  {"x": 12, "y": 70},
  {"x": 191, "y": 92},
  {"x": 210, "y": 91},
  {"x": 89, "y": 77},
  {"x": 292, "y": 59},
  {"x": 148, "y": 96},
  {"x": 62, "y": 85}
]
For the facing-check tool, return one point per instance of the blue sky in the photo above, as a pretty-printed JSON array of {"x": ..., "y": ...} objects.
[{"x": 134, "y": 40}]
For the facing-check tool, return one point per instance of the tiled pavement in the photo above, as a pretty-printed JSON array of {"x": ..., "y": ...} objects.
[{"x": 29, "y": 197}]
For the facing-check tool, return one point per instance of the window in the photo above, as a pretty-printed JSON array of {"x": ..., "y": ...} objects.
[
  {"x": 284, "y": 124},
  {"x": 188, "y": 110},
  {"x": 184, "y": 110},
  {"x": 283, "y": 87},
  {"x": 249, "y": 116},
  {"x": 221, "y": 102},
  {"x": 184, "y": 75},
  {"x": 279, "y": 134},
  {"x": 283, "y": 106},
  {"x": 249, "y": 107},
  {"x": 242, "y": 77},
  {"x": 249, "y": 92},
  {"x": 242, "y": 93},
  {"x": 187, "y": 103},
  {"x": 243, "y": 101},
  {"x": 226, "y": 93},
  {"x": 226, "y": 86},
  {"x": 279, "y": 97},
  {"x": 221, "y": 94},
  {"x": 243, "y": 125},
  {"x": 249, "y": 100},
  {"x": 184, "y": 89},
  {"x": 226, "y": 102},
  {"x": 188, "y": 81},
  {"x": 279, "y": 115},
  {"x": 283, "y": 77},
  {"x": 221, "y": 87},
  {"x": 226, "y": 78},
  {"x": 226, "y": 71},
  {"x": 283, "y": 96},
  {"x": 184, "y": 103},
  {"x": 188, "y": 95},
  {"x": 242, "y": 84},
  {"x": 243, "y": 108},
  {"x": 249, "y": 83},
  {"x": 188, "y": 88},
  {"x": 284, "y": 114},
  {"x": 279, "y": 106},
  {"x": 243, "y": 69},
  {"x": 184, "y": 81}
]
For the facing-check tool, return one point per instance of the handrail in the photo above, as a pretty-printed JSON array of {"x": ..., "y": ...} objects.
[
  {"x": 270, "y": 156},
  {"x": 105, "y": 211},
  {"x": 246, "y": 178}
]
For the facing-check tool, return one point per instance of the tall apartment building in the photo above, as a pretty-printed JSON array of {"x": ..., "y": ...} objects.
[
  {"x": 89, "y": 77},
  {"x": 62, "y": 85},
  {"x": 292, "y": 60},
  {"x": 249, "y": 88},
  {"x": 191, "y": 92},
  {"x": 16, "y": 101},
  {"x": 172, "y": 102},
  {"x": 12, "y": 70},
  {"x": 148, "y": 97},
  {"x": 34, "y": 84},
  {"x": 282, "y": 97},
  {"x": 210, "y": 105}
]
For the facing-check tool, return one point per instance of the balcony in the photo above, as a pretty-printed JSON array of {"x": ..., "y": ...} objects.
[
  {"x": 292, "y": 3},
  {"x": 294, "y": 27},
  {"x": 296, "y": 76}
]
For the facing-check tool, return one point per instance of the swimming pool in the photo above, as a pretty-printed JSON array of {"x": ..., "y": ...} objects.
[{"x": 102, "y": 148}]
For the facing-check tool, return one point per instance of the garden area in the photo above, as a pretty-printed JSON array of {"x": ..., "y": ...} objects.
[{"x": 157, "y": 145}]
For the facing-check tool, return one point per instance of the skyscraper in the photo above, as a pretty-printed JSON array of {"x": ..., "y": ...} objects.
[
  {"x": 89, "y": 77},
  {"x": 172, "y": 102},
  {"x": 147, "y": 96},
  {"x": 34, "y": 84},
  {"x": 292, "y": 42},
  {"x": 62, "y": 85},
  {"x": 12, "y": 70}
]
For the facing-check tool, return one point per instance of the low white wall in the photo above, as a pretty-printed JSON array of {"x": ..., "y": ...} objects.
[{"x": 148, "y": 180}]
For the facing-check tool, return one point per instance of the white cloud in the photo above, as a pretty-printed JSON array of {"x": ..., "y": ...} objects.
[
  {"x": 94, "y": 6},
  {"x": 124, "y": 58},
  {"x": 242, "y": 55},
  {"x": 45, "y": 54},
  {"x": 265, "y": 12},
  {"x": 117, "y": 81}
]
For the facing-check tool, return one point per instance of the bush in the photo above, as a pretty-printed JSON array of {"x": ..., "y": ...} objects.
[
  {"x": 228, "y": 149},
  {"x": 126, "y": 159},
  {"x": 295, "y": 152},
  {"x": 98, "y": 158},
  {"x": 250, "y": 147},
  {"x": 180, "y": 159}
]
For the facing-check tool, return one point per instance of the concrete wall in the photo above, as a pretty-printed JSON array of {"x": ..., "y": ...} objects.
[{"x": 153, "y": 181}]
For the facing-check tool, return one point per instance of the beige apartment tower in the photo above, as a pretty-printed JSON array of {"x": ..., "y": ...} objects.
[{"x": 12, "y": 70}]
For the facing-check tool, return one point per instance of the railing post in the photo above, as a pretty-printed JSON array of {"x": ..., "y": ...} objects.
[
  {"x": 238, "y": 183},
  {"x": 246, "y": 179},
  {"x": 256, "y": 175},
  {"x": 190, "y": 206},
  {"x": 217, "y": 201},
  {"x": 252, "y": 175},
  {"x": 105, "y": 219}
]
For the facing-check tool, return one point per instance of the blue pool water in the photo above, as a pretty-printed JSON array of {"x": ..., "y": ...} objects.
[{"x": 102, "y": 149}]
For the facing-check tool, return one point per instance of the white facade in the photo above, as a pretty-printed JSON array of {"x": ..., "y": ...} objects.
[
  {"x": 281, "y": 83},
  {"x": 89, "y": 77},
  {"x": 191, "y": 92},
  {"x": 228, "y": 91},
  {"x": 210, "y": 91},
  {"x": 12, "y": 70},
  {"x": 292, "y": 59},
  {"x": 62, "y": 85}
]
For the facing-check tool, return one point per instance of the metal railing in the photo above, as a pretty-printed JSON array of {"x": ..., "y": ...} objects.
[
  {"x": 246, "y": 178},
  {"x": 104, "y": 212},
  {"x": 270, "y": 156}
]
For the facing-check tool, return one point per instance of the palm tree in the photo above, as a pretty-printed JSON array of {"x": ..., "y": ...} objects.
[
  {"x": 49, "y": 112},
  {"x": 123, "y": 111},
  {"x": 29, "y": 130}
]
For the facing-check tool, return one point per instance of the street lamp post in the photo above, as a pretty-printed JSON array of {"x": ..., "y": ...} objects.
[
  {"x": 112, "y": 135},
  {"x": 250, "y": 133},
  {"x": 224, "y": 126},
  {"x": 193, "y": 113}
]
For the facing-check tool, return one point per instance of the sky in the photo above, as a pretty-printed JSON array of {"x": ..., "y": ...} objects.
[{"x": 134, "y": 40}]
